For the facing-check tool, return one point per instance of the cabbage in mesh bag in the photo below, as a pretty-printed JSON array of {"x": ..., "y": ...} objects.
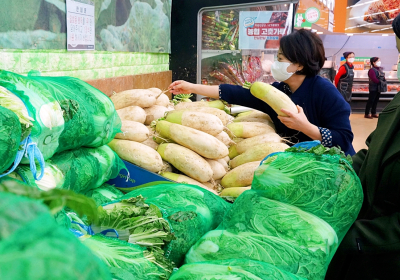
[
  {"x": 104, "y": 194},
  {"x": 10, "y": 137},
  {"x": 79, "y": 170},
  {"x": 127, "y": 261},
  {"x": 186, "y": 211},
  {"x": 261, "y": 229},
  {"x": 234, "y": 269},
  {"x": 320, "y": 181},
  {"x": 33, "y": 246},
  {"x": 68, "y": 113}
]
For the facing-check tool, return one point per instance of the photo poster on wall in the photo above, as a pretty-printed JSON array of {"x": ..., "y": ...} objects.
[
  {"x": 366, "y": 16},
  {"x": 119, "y": 25},
  {"x": 261, "y": 30}
]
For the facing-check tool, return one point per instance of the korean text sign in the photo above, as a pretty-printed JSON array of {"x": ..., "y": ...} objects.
[
  {"x": 261, "y": 29},
  {"x": 80, "y": 25}
]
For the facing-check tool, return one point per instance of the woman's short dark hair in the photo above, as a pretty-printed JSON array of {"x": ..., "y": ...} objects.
[
  {"x": 305, "y": 48},
  {"x": 346, "y": 54},
  {"x": 373, "y": 60}
]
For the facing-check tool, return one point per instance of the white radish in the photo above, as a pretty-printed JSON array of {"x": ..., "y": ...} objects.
[
  {"x": 184, "y": 179},
  {"x": 132, "y": 113},
  {"x": 205, "y": 122},
  {"x": 134, "y": 97},
  {"x": 133, "y": 131},
  {"x": 186, "y": 161},
  {"x": 138, "y": 154},
  {"x": 217, "y": 168},
  {"x": 200, "y": 142},
  {"x": 256, "y": 140},
  {"x": 154, "y": 113},
  {"x": 257, "y": 153},
  {"x": 240, "y": 176},
  {"x": 248, "y": 129}
]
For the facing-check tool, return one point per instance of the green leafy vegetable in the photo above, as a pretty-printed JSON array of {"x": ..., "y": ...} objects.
[
  {"x": 181, "y": 98},
  {"x": 14, "y": 103},
  {"x": 128, "y": 261},
  {"x": 264, "y": 230},
  {"x": 315, "y": 181},
  {"x": 322, "y": 150},
  {"x": 30, "y": 239},
  {"x": 105, "y": 194},
  {"x": 10, "y": 137},
  {"x": 190, "y": 211},
  {"x": 232, "y": 269},
  {"x": 55, "y": 199},
  {"x": 136, "y": 222}
]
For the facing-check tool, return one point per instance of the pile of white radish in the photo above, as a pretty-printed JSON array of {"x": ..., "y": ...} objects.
[
  {"x": 138, "y": 108},
  {"x": 203, "y": 144},
  {"x": 255, "y": 138}
]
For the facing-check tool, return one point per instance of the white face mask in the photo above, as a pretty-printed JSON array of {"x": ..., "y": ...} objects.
[
  {"x": 279, "y": 71},
  {"x": 378, "y": 63},
  {"x": 351, "y": 60}
]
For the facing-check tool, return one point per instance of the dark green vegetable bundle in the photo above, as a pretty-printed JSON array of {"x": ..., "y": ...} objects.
[
  {"x": 168, "y": 216},
  {"x": 10, "y": 138}
]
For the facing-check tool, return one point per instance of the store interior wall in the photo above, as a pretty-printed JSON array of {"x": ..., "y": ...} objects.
[
  {"x": 383, "y": 47},
  {"x": 83, "y": 65}
]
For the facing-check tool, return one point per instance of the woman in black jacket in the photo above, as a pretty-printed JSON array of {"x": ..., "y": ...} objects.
[{"x": 377, "y": 84}]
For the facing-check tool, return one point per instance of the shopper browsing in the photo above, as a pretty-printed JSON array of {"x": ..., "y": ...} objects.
[
  {"x": 345, "y": 76},
  {"x": 322, "y": 113},
  {"x": 371, "y": 248},
  {"x": 377, "y": 84}
]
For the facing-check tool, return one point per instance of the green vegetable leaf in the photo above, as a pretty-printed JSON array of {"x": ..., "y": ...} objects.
[
  {"x": 136, "y": 222},
  {"x": 55, "y": 199},
  {"x": 322, "y": 150},
  {"x": 181, "y": 98}
]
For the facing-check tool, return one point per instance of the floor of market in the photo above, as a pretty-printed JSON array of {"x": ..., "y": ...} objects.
[{"x": 362, "y": 128}]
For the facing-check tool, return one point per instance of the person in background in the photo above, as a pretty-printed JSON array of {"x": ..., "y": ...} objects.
[
  {"x": 323, "y": 114},
  {"x": 344, "y": 77},
  {"x": 371, "y": 248},
  {"x": 376, "y": 85}
]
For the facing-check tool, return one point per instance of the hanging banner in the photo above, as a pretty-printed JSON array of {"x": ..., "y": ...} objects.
[
  {"x": 261, "y": 29},
  {"x": 80, "y": 25},
  {"x": 319, "y": 12},
  {"x": 371, "y": 16}
]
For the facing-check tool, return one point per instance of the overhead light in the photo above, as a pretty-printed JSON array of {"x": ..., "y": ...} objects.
[
  {"x": 385, "y": 34},
  {"x": 350, "y": 34},
  {"x": 307, "y": 27},
  {"x": 320, "y": 32},
  {"x": 314, "y": 30}
]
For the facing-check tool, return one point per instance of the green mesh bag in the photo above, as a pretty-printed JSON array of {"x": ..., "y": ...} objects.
[
  {"x": 67, "y": 112},
  {"x": 261, "y": 229},
  {"x": 10, "y": 138},
  {"x": 127, "y": 261},
  {"x": 233, "y": 269},
  {"x": 104, "y": 194},
  {"x": 190, "y": 211},
  {"x": 301, "y": 204},
  {"x": 320, "y": 181},
  {"x": 79, "y": 170},
  {"x": 34, "y": 247}
]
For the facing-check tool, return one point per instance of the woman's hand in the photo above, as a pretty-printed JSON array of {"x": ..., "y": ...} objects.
[
  {"x": 298, "y": 121},
  {"x": 295, "y": 121},
  {"x": 181, "y": 87}
]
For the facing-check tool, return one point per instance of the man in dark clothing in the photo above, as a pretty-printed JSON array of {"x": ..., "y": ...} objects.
[{"x": 371, "y": 248}]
